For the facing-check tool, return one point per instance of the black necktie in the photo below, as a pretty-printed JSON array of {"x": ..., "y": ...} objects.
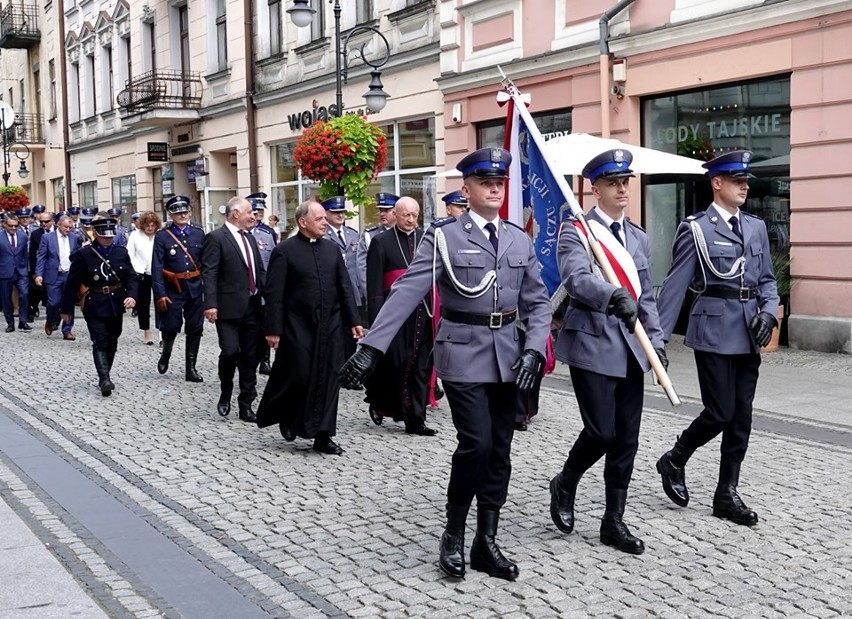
[
  {"x": 340, "y": 236},
  {"x": 735, "y": 226},
  {"x": 492, "y": 235},
  {"x": 616, "y": 230}
]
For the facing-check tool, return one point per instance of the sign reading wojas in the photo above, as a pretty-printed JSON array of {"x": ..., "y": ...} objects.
[{"x": 303, "y": 120}]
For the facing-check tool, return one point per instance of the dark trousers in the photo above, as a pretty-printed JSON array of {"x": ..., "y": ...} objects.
[
  {"x": 104, "y": 332},
  {"x": 21, "y": 282},
  {"x": 728, "y": 383},
  {"x": 188, "y": 310},
  {"x": 484, "y": 417},
  {"x": 611, "y": 410},
  {"x": 37, "y": 297},
  {"x": 238, "y": 350},
  {"x": 54, "y": 298},
  {"x": 143, "y": 303}
]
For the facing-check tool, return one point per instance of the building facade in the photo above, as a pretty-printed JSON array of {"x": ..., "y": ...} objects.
[{"x": 693, "y": 77}]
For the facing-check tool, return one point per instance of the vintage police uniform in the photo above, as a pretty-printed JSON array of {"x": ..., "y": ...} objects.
[
  {"x": 176, "y": 276},
  {"x": 108, "y": 275},
  {"x": 483, "y": 292},
  {"x": 266, "y": 240},
  {"x": 84, "y": 229},
  {"x": 607, "y": 364},
  {"x": 383, "y": 201},
  {"x": 736, "y": 286}
]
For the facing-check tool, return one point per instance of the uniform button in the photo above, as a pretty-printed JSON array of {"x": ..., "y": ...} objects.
[{"x": 449, "y": 337}]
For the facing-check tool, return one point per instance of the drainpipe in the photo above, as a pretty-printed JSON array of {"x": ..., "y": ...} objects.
[
  {"x": 251, "y": 119},
  {"x": 63, "y": 79},
  {"x": 604, "y": 61}
]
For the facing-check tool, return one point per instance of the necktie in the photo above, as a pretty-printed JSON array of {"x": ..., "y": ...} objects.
[
  {"x": 340, "y": 236},
  {"x": 249, "y": 262},
  {"x": 735, "y": 226},
  {"x": 616, "y": 230},
  {"x": 492, "y": 235},
  {"x": 14, "y": 241}
]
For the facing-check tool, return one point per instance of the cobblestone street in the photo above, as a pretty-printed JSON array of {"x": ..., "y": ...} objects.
[{"x": 159, "y": 507}]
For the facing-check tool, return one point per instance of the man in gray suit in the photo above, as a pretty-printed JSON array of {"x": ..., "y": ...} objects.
[
  {"x": 346, "y": 239},
  {"x": 730, "y": 320},
  {"x": 387, "y": 218},
  {"x": 488, "y": 276},
  {"x": 607, "y": 364}
]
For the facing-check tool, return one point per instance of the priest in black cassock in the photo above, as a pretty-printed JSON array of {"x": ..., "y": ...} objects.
[
  {"x": 399, "y": 388},
  {"x": 309, "y": 301}
]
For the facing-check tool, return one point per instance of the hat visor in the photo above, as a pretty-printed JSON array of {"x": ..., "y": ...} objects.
[
  {"x": 616, "y": 174},
  {"x": 383, "y": 206},
  {"x": 489, "y": 174},
  {"x": 178, "y": 210}
]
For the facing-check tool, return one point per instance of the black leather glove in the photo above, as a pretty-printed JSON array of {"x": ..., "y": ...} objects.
[
  {"x": 359, "y": 367},
  {"x": 530, "y": 366},
  {"x": 761, "y": 328},
  {"x": 661, "y": 353},
  {"x": 623, "y": 306}
]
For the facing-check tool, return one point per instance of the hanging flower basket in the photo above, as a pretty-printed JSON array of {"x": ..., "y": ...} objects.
[
  {"x": 12, "y": 198},
  {"x": 344, "y": 155}
]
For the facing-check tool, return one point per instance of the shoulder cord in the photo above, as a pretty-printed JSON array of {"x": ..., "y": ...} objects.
[
  {"x": 736, "y": 270},
  {"x": 471, "y": 292}
]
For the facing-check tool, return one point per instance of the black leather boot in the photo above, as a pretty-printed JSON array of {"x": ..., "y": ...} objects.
[
  {"x": 192, "y": 344},
  {"x": 726, "y": 501},
  {"x": 265, "y": 365},
  {"x": 451, "y": 559},
  {"x": 110, "y": 354},
  {"x": 613, "y": 530},
  {"x": 485, "y": 555},
  {"x": 563, "y": 489},
  {"x": 102, "y": 367},
  {"x": 671, "y": 466},
  {"x": 165, "y": 355}
]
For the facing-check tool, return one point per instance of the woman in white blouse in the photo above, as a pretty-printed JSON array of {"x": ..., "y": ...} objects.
[{"x": 140, "y": 246}]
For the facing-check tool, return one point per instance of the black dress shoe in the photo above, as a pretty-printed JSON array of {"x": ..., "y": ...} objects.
[
  {"x": 10, "y": 328},
  {"x": 287, "y": 433},
  {"x": 264, "y": 368},
  {"x": 247, "y": 414},
  {"x": 421, "y": 430},
  {"x": 328, "y": 446},
  {"x": 224, "y": 406},
  {"x": 24, "y": 326},
  {"x": 376, "y": 416},
  {"x": 520, "y": 426}
]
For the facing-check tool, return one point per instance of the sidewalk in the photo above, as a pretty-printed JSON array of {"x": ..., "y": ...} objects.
[{"x": 807, "y": 386}]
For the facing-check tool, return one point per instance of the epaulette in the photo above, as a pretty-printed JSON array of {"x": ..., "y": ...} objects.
[
  {"x": 696, "y": 216},
  {"x": 371, "y": 229},
  {"x": 192, "y": 225},
  {"x": 637, "y": 226},
  {"x": 443, "y": 222},
  {"x": 753, "y": 216},
  {"x": 512, "y": 223}
]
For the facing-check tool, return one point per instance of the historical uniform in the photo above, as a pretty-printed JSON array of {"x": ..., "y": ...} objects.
[
  {"x": 267, "y": 239},
  {"x": 83, "y": 228},
  {"x": 487, "y": 281},
  {"x": 606, "y": 362},
  {"x": 177, "y": 285},
  {"x": 109, "y": 279},
  {"x": 385, "y": 203},
  {"x": 732, "y": 316}
]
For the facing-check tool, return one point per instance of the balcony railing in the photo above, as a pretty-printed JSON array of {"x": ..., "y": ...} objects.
[
  {"x": 28, "y": 129},
  {"x": 19, "y": 26},
  {"x": 159, "y": 90}
]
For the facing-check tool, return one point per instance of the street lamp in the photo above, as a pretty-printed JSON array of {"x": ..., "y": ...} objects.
[
  {"x": 302, "y": 14},
  {"x": 7, "y": 121}
]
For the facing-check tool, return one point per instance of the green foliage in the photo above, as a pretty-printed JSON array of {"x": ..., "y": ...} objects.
[
  {"x": 781, "y": 267},
  {"x": 13, "y": 197}
]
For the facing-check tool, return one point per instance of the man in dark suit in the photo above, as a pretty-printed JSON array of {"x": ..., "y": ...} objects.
[
  {"x": 13, "y": 272},
  {"x": 53, "y": 261},
  {"x": 42, "y": 224},
  {"x": 233, "y": 285}
]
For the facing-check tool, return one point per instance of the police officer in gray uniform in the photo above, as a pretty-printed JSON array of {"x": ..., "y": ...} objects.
[
  {"x": 488, "y": 276},
  {"x": 606, "y": 362},
  {"x": 722, "y": 254},
  {"x": 266, "y": 239},
  {"x": 346, "y": 239},
  {"x": 387, "y": 218}
]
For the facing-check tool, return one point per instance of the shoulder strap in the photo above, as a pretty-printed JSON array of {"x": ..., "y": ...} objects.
[{"x": 183, "y": 247}]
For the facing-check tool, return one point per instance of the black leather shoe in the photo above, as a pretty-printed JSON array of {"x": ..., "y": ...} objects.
[
  {"x": 264, "y": 368},
  {"x": 10, "y": 328},
  {"x": 563, "y": 490},
  {"x": 106, "y": 387},
  {"x": 485, "y": 555},
  {"x": 192, "y": 375},
  {"x": 376, "y": 416},
  {"x": 287, "y": 433},
  {"x": 421, "y": 430},
  {"x": 224, "y": 406},
  {"x": 328, "y": 446},
  {"x": 247, "y": 414},
  {"x": 672, "y": 469},
  {"x": 25, "y": 326},
  {"x": 520, "y": 426}
]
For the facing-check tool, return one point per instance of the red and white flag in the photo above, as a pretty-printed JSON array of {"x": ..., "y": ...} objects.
[{"x": 513, "y": 203}]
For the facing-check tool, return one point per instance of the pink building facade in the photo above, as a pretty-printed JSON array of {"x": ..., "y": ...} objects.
[{"x": 693, "y": 77}]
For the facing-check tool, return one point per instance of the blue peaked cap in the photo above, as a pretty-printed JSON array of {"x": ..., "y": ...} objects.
[
  {"x": 455, "y": 197},
  {"x": 335, "y": 204},
  {"x": 257, "y": 201},
  {"x": 613, "y": 163},
  {"x": 486, "y": 163},
  {"x": 734, "y": 164},
  {"x": 386, "y": 200}
]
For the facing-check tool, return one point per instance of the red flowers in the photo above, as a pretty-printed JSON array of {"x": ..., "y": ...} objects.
[{"x": 12, "y": 198}]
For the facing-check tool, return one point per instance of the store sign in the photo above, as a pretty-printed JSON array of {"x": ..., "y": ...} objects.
[
  {"x": 158, "y": 151},
  {"x": 746, "y": 126},
  {"x": 303, "y": 120}
]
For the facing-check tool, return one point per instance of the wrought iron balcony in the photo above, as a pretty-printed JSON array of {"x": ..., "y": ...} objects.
[
  {"x": 28, "y": 129},
  {"x": 159, "y": 97},
  {"x": 19, "y": 26}
]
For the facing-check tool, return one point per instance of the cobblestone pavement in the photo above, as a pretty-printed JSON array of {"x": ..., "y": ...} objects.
[{"x": 295, "y": 533}]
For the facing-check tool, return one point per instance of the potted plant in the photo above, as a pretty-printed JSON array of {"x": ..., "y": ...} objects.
[
  {"x": 12, "y": 198},
  {"x": 781, "y": 267},
  {"x": 343, "y": 155}
]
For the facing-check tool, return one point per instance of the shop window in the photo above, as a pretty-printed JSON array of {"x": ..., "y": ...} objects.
[
  {"x": 551, "y": 124},
  {"x": 124, "y": 194},
  {"x": 87, "y": 194}
]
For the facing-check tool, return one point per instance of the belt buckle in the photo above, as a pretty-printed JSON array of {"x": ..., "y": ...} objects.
[
  {"x": 745, "y": 294},
  {"x": 495, "y": 320},
  {"x": 105, "y": 290}
]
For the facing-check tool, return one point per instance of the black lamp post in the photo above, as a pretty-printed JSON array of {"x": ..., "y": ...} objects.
[
  {"x": 7, "y": 121},
  {"x": 302, "y": 14}
]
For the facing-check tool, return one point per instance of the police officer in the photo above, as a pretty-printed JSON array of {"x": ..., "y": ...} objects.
[
  {"x": 346, "y": 239},
  {"x": 488, "y": 277},
  {"x": 384, "y": 203},
  {"x": 120, "y": 231},
  {"x": 105, "y": 270},
  {"x": 84, "y": 223},
  {"x": 176, "y": 281},
  {"x": 267, "y": 239},
  {"x": 455, "y": 203},
  {"x": 74, "y": 214},
  {"x": 25, "y": 219},
  {"x": 607, "y": 364},
  {"x": 723, "y": 255}
]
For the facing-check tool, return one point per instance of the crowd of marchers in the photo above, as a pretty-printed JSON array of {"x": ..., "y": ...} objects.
[{"x": 462, "y": 301}]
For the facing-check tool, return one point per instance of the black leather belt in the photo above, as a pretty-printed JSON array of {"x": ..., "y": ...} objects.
[
  {"x": 572, "y": 302},
  {"x": 729, "y": 292},
  {"x": 494, "y": 320}
]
